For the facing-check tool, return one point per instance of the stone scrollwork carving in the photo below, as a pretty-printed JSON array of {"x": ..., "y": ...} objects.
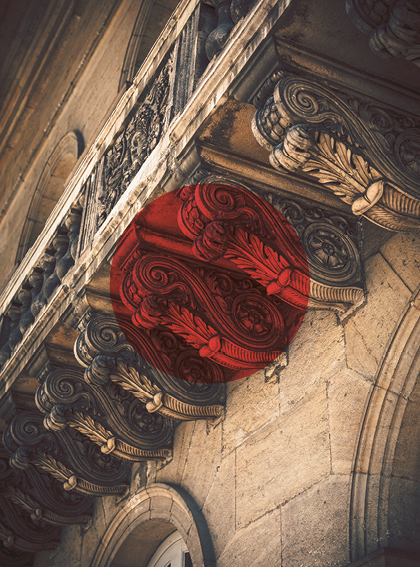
[
  {"x": 19, "y": 532},
  {"x": 331, "y": 245},
  {"x": 368, "y": 156},
  {"x": 179, "y": 399},
  {"x": 101, "y": 335},
  {"x": 42, "y": 497},
  {"x": 32, "y": 509},
  {"x": 215, "y": 295},
  {"x": 330, "y": 242},
  {"x": 137, "y": 382},
  {"x": 65, "y": 455},
  {"x": 111, "y": 417},
  {"x": 132, "y": 147},
  {"x": 394, "y": 26}
]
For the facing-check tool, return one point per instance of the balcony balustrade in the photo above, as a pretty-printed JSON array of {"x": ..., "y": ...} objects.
[{"x": 132, "y": 132}]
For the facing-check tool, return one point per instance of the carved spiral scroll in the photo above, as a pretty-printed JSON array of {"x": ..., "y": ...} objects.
[
  {"x": 388, "y": 141},
  {"x": 225, "y": 282}
]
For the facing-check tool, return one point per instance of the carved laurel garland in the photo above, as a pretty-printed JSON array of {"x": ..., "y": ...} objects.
[{"x": 368, "y": 156}]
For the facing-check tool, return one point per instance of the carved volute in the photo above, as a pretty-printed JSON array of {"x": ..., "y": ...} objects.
[
  {"x": 366, "y": 155},
  {"x": 393, "y": 26}
]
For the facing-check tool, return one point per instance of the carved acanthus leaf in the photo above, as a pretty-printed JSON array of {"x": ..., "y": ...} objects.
[
  {"x": 124, "y": 375},
  {"x": 364, "y": 154},
  {"x": 50, "y": 465},
  {"x": 136, "y": 382},
  {"x": 86, "y": 425},
  {"x": 346, "y": 173},
  {"x": 23, "y": 500}
]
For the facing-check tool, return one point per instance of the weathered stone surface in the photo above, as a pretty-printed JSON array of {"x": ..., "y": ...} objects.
[
  {"x": 369, "y": 514},
  {"x": 373, "y": 238},
  {"x": 172, "y": 472},
  {"x": 256, "y": 545},
  {"x": 92, "y": 537},
  {"x": 316, "y": 353},
  {"x": 203, "y": 458},
  {"x": 368, "y": 331},
  {"x": 407, "y": 452},
  {"x": 402, "y": 252},
  {"x": 69, "y": 554},
  {"x": 315, "y": 526},
  {"x": 219, "y": 507},
  {"x": 42, "y": 559},
  {"x": 110, "y": 507},
  {"x": 347, "y": 398},
  {"x": 403, "y": 515},
  {"x": 250, "y": 405},
  {"x": 283, "y": 458}
]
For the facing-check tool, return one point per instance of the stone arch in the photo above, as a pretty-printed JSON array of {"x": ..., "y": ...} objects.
[
  {"x": 49, "y": 189},
  {"x": 385, "y": 495},
  {"x": 158, "y": 509},
  {"x": 151, "y": 19}
]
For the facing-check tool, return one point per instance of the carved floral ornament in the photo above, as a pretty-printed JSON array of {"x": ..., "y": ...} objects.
[
  {"x": 393, "y": 26},
  {"x": 210, "y": 283},
  {"x": 213, "y": 288},
  {"x": 218, "y": 274},
  {"x": 33, "y": 507},
  {"x": 367, "y": 155}
]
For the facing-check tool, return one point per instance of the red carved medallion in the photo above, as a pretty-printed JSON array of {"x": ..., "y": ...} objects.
[{"x": 209, "y": 283}]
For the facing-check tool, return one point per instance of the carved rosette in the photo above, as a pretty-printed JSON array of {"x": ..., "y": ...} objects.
[
  {"x": 330, "y": 242},
  {"x": 366, "y": 155}
]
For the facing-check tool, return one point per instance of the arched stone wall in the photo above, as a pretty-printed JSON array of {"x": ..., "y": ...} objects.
[
  {"x": 158, "y": 504},
  {"x": 150, "y": 21},
  {"x": 49, "y": 188},
  {"x": 386, "y": 480}
]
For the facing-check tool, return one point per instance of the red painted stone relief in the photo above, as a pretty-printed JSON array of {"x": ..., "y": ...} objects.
[{"x": 209, "y": 283}]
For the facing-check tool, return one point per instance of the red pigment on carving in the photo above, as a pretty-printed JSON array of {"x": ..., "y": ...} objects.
[{"x": 209, "y": 283}]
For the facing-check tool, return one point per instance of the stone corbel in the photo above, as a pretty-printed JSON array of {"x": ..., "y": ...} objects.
[
  {"x": 106, "y": 369},
  {"x": 32, "y": 509},
  {"x": 330, "y": 242},
  {"x": 110, "y": 417},
  {"x": 394, "y": 26},
  {"x": 42, "y": 498},
  {"x": 366, "y": 155},
  {"x": 65, "y": 455},
  {"x": 161, "y": 393}
]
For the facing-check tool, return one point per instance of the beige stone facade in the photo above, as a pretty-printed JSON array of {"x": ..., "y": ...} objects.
[{"x": 314, "y": 107}]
